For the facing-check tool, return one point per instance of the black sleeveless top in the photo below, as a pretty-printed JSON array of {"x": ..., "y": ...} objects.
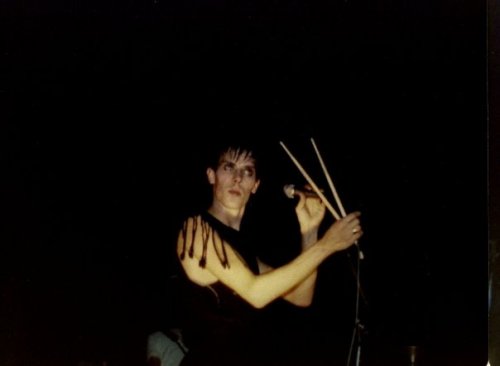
[{"x": 219, "y": 327}]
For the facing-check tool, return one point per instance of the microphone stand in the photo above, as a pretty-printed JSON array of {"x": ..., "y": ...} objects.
[
  {"x": 289, "y": 192},
  {"x": 358, "y": 326}
]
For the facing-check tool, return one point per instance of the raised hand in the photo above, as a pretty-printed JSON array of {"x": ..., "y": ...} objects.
[
  {"x": 343, "y": 233},
  {"x": 310, "y": 212}
]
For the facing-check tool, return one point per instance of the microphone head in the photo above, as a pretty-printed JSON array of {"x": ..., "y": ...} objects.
[{"x": 289, "y": 190}]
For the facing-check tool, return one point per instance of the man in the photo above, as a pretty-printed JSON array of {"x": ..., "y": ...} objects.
[{"x": 227, "y": 283}]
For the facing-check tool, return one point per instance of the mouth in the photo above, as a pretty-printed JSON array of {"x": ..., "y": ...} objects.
[{"x": 235, "y": 192}]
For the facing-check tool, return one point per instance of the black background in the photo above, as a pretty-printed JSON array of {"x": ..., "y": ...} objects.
[{"x": 110, "y": 106}]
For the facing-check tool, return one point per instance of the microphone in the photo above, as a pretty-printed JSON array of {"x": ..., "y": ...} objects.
[{"x": 291, "y": 191}]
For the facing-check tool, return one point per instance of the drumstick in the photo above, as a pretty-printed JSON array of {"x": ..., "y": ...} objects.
[
  {"x": 334, "y": 191},
  {"x": 329, "y": 179},
  {"x": 311, "y": 182}
]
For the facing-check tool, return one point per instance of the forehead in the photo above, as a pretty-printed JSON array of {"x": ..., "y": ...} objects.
[{"x": 237, "y": 156}]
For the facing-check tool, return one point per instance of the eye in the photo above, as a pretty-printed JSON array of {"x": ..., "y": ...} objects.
[
  {"x": 249, "y": 172},
  {"x": 228, "y": 167}
]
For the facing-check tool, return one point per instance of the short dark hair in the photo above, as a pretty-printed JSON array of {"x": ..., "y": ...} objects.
[{"x": 241, "y": 146}]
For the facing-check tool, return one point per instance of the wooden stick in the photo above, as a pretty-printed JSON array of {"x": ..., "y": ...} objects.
[
  {"x": 329, "y": 179},
  {"x": 334, "y": 191},
  {"x": 311, "y": 182}
]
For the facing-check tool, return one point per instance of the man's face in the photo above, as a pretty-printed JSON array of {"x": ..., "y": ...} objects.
[{"x": 234, "y": 180}]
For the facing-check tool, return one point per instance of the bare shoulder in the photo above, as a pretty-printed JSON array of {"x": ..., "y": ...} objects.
[{"x": 205, "y": 257}]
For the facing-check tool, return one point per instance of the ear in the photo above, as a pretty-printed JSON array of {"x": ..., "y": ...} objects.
[
  {"x": 256, "y": 186},
  {"x": 211, "y": 176}
]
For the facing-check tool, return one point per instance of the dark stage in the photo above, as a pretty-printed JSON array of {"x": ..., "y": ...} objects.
[{"x": 109, "y": 107}]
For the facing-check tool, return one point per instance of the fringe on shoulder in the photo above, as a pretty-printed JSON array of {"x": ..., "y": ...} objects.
[{"x": 208, "y": 234}]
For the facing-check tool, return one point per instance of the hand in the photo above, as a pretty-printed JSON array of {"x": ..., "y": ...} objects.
[
  {"x": 343, "y": 233},
  {"x": 310, "y": 212}
]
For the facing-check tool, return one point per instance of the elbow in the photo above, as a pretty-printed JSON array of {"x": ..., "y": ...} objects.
[
  {"x": 258, "y": 303},
  {"x": 303, "y": 303},
  {"x": 257, "y": 300},
  {"x": 300, "y": 301},
  {"x": 258, "y": 294}
]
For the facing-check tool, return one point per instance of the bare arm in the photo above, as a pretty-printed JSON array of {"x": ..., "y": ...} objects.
[
  {"x": 302, "y": 294},
  {"x": 260, "y": 290},
  {"x": 310, "y": 212}
]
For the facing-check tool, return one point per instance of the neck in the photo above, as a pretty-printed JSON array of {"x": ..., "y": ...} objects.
[{"x": 231, "y": 218}]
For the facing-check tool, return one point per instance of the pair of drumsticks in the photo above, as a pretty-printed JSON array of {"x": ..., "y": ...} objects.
[
  {"x": 314, "y": 186},
  {"x": 358, "y": 326}
]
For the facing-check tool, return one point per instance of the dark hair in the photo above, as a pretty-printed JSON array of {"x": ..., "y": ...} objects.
[{"x": 241, "y": 146}]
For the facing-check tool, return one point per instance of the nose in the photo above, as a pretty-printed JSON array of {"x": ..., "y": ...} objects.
[{"x": 238, "y": 175}]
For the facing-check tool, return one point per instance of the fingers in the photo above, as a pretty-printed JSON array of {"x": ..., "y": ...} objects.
[
  {"x": 357, "y": 233},
  {"x": 351, "y": 221},
  {"x": 354, "y": 223},
  {"x": 353, "y": 216},
  {"x": 310, "y": 208},
  {"x": 302, "y": 201},
  {"x": 356, "y": 229},
  {"x": 352, "y": 226}
]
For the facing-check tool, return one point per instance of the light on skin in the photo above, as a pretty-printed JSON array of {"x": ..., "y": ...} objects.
[
  {"x": 233, "y": 183},
  {"x": 261, "y": 289}
]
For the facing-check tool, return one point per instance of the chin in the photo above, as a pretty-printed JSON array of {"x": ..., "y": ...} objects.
[{"x": 235, "y": 202}]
